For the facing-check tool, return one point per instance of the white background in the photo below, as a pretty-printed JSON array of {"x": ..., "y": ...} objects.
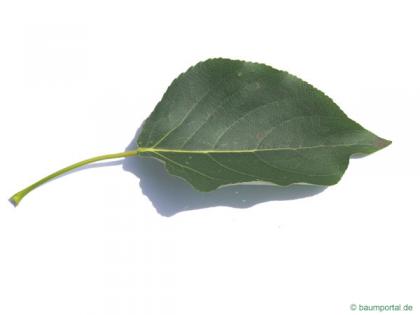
[{"x": 77, "y": 78}]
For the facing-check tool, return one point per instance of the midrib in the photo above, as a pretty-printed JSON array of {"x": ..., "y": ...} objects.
[{"x": 214, "y": 151}]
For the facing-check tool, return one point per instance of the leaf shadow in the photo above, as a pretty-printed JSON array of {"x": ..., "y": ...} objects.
[{"x": 171, "y": 195}]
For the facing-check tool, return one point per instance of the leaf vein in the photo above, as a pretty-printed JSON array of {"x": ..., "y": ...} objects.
[
  {"x": 153, "y": 149},
  {"x": 240, "y": 118},
  {"x": 195, "y": 105},
  {"x": 231, "y": 169},
  {"x": 290, "y": 171},
  {"x": 186, "y": 167},
  {"x": 214, "y": 112}
]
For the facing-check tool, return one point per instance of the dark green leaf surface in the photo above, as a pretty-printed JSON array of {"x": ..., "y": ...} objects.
[{"x": 227, "y": 121}]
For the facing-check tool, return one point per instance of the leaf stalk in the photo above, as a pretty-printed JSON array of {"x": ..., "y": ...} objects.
[{"x": 17, "y": 197}]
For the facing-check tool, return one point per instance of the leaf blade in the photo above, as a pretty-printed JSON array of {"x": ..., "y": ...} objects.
[{"x": 227, "y": 121}]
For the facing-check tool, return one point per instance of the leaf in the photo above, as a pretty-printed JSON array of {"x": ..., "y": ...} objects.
[{"x": 227, "y": 121}]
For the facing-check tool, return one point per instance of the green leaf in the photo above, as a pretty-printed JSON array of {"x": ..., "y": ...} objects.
[{"x": 227, "y": 121}]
